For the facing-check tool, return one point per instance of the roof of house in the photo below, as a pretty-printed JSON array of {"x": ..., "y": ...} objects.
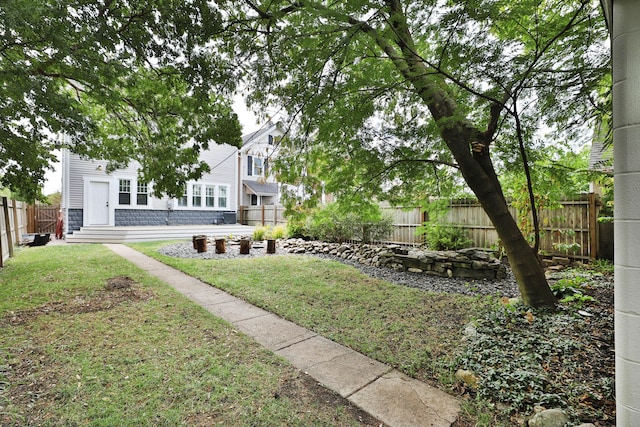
[
  {"x": 265, "y": 129},
  {"x": 261, "y": 189},
  {"x": 601, "y": 158}
]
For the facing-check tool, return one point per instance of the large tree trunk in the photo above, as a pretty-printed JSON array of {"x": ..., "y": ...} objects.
[
  {"x": 526, "y": 268},
  {"x": 470, "y": 148},
  {"x": 477, "y": 168}
]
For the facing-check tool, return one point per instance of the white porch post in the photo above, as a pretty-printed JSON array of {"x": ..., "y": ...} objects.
[{"x": 625, "y": 28}]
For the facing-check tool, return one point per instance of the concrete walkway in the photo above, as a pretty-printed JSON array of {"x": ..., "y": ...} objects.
[{"x": 390, "y": 396}]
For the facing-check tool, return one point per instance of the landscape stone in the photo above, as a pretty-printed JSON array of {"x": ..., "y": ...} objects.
[
  {"x": 468, "y": 377},
  {"x": 470, "y": 263},
  {"x": 549, "y": 418}
]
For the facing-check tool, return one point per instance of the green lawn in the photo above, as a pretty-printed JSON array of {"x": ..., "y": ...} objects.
[
  {"x": 418, "y": 332},
  {"x": 524, "y": 357},
  {"x": 76, "y": 351}
]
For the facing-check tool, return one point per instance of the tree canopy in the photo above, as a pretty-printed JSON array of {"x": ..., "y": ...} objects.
[
  {"x": 394, "y": 99},
  {"x": 117, "y": 80},
  {"x": 399, "y": 99},
  {"x": 340, "y": 72}
]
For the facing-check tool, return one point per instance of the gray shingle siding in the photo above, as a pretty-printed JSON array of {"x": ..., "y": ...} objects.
[
  {"x": 139, "y": 217},
  {"x": 74, "y": 219}
]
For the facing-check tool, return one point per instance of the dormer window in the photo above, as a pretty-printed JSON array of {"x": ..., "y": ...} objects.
[{"x": 270, "y": 139}]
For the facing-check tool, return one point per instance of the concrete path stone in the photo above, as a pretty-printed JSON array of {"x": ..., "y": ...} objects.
[
  {"x": 390, "y": 396},
  {"x": 407, "y": 402},
  {"x": 335, "y": 366},
  {"x": 274, "y": 332}
]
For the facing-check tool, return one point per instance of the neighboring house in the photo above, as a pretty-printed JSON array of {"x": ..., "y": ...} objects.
[
  {"x": 601, "y": 157},
  {"x": 257, "y": 186},
  {"x": 91, "y": 197}
]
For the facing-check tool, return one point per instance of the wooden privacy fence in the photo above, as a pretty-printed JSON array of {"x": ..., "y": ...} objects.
[
  {"x": 42, "y": 218},
  {"x": 261, "y": 215},
  {"x": 570, "y": 230},
  {"x": 13, "y": 224},
  {"x": 405, "y": 223}
]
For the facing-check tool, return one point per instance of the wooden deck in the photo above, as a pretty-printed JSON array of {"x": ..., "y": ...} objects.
[{"x": 145, "y": 234}]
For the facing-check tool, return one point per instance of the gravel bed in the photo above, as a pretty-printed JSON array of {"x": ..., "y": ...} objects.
[
  {"x": 232, "y": 250},
  {"x": 506, "y": 287}
]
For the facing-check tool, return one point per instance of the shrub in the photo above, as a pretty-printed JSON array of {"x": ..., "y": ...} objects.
[
  {"x": 297, "y": 229},
  {"x": 260, "y": 232},
  {"x": 377, "y": 230},
  {"x": 278, "y": 232},
  {"x": 330, "y": 225},
  {"x": 335, "y": 223},
  {"x": 441, "y": 237}
]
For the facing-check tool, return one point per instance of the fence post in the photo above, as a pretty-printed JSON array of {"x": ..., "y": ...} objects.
[
  {"x": 1, "y": 251},
  {"x": 16, "y": 226},
  {"x": 7, "y": 221},
  {"x": 262, "y": 215},
  {"x": 32, "y": 219},
  {"x": 593, "y": 226}
]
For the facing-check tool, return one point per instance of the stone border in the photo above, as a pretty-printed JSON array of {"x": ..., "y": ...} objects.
[{"x": 471, "y": 263}]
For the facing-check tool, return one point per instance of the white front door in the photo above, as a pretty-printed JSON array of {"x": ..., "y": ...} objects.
[{"x": 98, "y": 205}]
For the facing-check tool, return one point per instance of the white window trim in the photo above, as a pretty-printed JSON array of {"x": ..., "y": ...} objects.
[
  {"x": 133, "y": 194},
  {"x": 203, "y": 197},
  {"x": 147, "y": 192},
  {"x": 257, "y": 172}
]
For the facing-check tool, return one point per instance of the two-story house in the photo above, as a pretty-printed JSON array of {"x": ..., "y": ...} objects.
[{"x": 256, "y": 185}]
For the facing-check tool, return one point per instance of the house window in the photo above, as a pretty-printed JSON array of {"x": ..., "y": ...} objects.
[
  {"x": 257, "y": 166},
  {"x": 270, "y": 139},
  {"x": 254, "y": 200},
  {"x": 222, "y": 197},
  {"x": 143, "y": 193},
  {"x": 182, "y": 201},
  {"x": 124, "y": 192},
  {"x": 210, "y": 196},
  {"x": 196, "y": 195}
]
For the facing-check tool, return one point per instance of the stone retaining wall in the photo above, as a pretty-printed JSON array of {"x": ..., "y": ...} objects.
[{"x": 469, "y": 263}]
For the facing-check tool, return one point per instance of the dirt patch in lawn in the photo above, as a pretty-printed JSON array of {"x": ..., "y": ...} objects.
[
  {"x": 116, "y": 291},
  {"x": 312, "y": 394}
]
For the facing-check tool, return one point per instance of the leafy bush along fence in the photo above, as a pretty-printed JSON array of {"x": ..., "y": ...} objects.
[
  {"x": 571, "y": 230},
  {"x": 13, "y": 224}
]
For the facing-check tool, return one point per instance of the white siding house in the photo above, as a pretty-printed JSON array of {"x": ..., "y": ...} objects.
[
  {"x": 256, "y": 185},
  {"x": 93, "y": 197}
]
